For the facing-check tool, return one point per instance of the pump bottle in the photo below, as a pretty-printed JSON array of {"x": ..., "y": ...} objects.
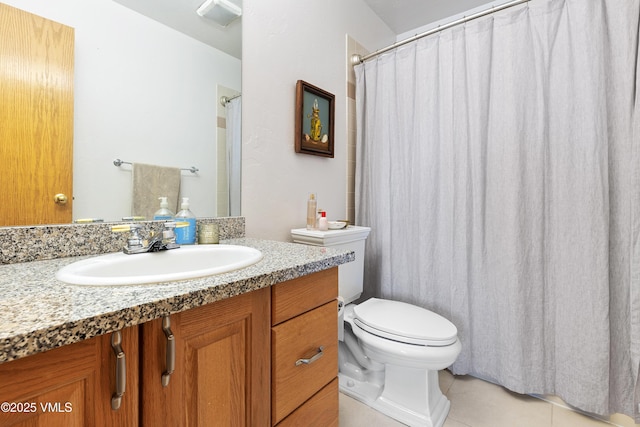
[
  {"x": 163, "y": 213},
  {"x": 185, "y": 235}
]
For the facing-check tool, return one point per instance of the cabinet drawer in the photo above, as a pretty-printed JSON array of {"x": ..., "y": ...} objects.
[
  {"x": 294, "y": 297},
  {"x": 301, "y": 338},
  {"x": 319, "y": 411}
]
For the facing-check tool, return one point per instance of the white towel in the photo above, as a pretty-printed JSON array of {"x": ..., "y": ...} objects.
[{"x": 151, "y": 182}]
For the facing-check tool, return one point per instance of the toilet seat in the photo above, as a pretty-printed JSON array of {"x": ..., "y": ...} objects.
[{"x": 406, "y": 323}]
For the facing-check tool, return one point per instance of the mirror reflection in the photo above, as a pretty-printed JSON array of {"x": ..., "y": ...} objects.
[{"x": 143, "y": 91}]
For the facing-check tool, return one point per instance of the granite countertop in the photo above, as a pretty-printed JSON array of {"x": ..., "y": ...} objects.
[{"x": 39, "y": 312}]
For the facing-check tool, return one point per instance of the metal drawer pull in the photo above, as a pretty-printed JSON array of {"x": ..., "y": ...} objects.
[
  {"x": 171, "y": 351},
  {"x": 121, "y": 370},
  {"x": 315, "y": 357}
]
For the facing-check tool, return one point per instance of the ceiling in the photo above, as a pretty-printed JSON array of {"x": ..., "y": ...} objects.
[
  {"x": 400, "y": 15},
  {"x": 181, "y": 16},
  {"x": 406, "y": 15}
]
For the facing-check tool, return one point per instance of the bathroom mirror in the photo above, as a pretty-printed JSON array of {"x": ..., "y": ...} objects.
[{"x": 147, "y": 88}]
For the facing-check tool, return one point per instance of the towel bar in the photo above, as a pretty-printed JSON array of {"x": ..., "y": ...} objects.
[{"x": 118, "y": 162}]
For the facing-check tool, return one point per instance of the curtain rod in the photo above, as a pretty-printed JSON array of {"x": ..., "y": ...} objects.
[
  {"x": 358, "y": 59},
  {"x": 224, "y": 100}
]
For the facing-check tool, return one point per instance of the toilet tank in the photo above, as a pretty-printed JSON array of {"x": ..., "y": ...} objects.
[{"x": 350, "y": 275}]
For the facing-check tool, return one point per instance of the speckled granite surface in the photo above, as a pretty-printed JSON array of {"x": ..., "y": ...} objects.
[
  {"x": 32, "y": 243},
  {"x": 38, "y": 312}
]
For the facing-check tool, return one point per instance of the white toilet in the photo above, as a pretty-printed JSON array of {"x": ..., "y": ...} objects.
[{"x": 390, "y": 352}]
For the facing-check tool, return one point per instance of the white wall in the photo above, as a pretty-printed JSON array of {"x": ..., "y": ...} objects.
[
  {"x": 432, "y": 22},
  {"x": 285, "y": 41},
  {"x": 143, "y": 93}
]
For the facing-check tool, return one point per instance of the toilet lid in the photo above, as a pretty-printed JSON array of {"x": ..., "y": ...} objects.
[{"x": 404, "y": 322}]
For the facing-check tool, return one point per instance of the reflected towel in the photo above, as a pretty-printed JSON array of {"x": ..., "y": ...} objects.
[{"x": 151, "y": 182}]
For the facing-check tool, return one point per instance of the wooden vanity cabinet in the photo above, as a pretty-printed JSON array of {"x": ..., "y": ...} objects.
[
  {"x": 220, "y": 378},
  {"x": 262, "y": 358},
  {"x": 304, "y": 351},
  {"x": 221, "y": 375},
  {"x": 71, "y": 386}
]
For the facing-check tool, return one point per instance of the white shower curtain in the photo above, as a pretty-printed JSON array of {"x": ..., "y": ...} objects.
[
  {"x": 234, "y": 153},
  {"x": 498, "y": 165}
]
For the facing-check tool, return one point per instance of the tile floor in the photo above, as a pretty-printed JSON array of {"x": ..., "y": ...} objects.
[{"x": 477, "y": 403}]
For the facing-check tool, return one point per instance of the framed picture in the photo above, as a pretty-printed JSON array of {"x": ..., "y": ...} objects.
[{"x": 315, "y": 109}]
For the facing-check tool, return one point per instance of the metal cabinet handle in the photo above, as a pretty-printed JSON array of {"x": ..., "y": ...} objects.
[
  {"x": 121, "y": 370},
  {"x": 171, "y": 351},
  {"x": 315, "y": 357}
]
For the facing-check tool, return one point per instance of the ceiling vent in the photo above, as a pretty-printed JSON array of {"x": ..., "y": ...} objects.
[{"x": 222, "y": 12}]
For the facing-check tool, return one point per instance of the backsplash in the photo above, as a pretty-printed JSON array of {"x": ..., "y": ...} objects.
[{"x": 41, "y": 242}]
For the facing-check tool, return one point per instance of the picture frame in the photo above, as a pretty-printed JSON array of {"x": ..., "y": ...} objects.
[{"x": 315, "y": 111}]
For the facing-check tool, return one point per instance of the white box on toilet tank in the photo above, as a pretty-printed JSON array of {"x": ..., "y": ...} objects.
[{"x": 350, "y": 275}]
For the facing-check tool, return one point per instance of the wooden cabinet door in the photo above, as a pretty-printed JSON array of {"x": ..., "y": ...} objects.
[
  {"x": 70, "y": 386},
  {"x": 221, "y": 375},
  {"x": 36, "y": 118}
]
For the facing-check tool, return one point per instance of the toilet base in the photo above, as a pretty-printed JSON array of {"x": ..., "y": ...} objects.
[{"x": 423, "y": 404}]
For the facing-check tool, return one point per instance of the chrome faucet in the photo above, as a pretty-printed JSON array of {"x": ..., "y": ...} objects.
[{"x": 136, "y": 245}]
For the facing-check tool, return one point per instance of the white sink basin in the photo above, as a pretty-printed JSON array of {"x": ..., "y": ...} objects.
[{"x": 186, "y": 262}]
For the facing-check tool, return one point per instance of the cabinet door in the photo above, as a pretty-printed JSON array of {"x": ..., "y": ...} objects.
[
  {"x": 221, "y": 374},
  {"x": 70, "y": 386}
]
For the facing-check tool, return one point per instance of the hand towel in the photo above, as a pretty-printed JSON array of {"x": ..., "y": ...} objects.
[{"x": 151, "y": 182}]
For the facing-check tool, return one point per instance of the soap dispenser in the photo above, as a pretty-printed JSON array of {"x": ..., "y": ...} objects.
[
  {"x": 185, "y": 235},
  {"x": 163, "y": 213}
]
